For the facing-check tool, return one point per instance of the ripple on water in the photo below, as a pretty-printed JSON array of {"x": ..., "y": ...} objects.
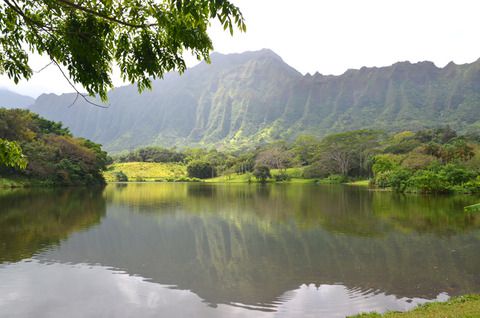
[{"x": 340, "y": 301}]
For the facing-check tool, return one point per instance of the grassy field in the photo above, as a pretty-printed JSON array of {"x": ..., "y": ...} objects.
[
  {"x": 360, "y": 183},
  {"x": 152, "y": 171},
  {"x": 294, "y": 174},
  {"x": 459, "y": 307},
  {"x": 233, "y": 178},
  {"x": 147, "y": 171}
]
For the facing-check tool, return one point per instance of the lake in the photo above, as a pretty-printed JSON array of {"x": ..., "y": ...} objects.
[{"x": 197, "y": 250}]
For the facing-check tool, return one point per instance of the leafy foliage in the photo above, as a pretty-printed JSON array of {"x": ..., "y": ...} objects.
[
  {"x": 11, "y": 155},
  {"x": 317, "y": 169},
  {"x": 144, "y": 38},
  {"x": 201, "y": 169},
  {"x": 341, "y": 153},
  {"x": 262, "y": 173},
  {"x": 152, "y": 154},
  {"x": 53, "y": 154},
  {"x": 275, "y": 156},
  {"x": 441, "y": 162},
  {"x": 121, "y": 177}
]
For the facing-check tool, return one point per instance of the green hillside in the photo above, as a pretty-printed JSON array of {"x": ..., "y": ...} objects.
[
  {"x": 146, "y": 171},
  {"x": 255, "y": 97}
]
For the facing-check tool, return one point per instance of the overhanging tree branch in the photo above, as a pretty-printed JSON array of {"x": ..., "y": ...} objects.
[
  {"x": 102, "y": 15},
  {"x": 92, "y": 35},
  {"x": 76, "y": 90}
]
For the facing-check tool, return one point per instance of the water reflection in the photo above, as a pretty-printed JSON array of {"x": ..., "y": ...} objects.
[
  {"x": 31, "y": 220},
  {"x": 96, "y": 291},
  {"x": 293, "y": 250}
]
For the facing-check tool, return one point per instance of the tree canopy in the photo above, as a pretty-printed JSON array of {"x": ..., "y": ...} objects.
[
  {"x": 145, "y": 38},
  {"x": 34, "y": 148}
]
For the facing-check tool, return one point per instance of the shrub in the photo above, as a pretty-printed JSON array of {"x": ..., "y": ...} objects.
[
  {"x": 383, "y": 179},
  {"x": 472, "y": 186},
  {"x": 385, "y": 162},
  {"x": 398, "y": 179},
  {"x": 69, "y": 172},
  {"x": 456, "y": 175},
  {"x": 201, "y": 169},
  {"x": 428, "y": 181},
  {"x": 316, "y": 170},
  {"x": 121, "y": 177},
  {"x": 473, "y": 164},
  {"x": 262, "y": 173},
  {"x": 282, "y": 176},
  {"x": 335, "y": 179}
]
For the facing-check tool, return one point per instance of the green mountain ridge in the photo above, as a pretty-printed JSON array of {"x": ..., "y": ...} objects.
[{"x": 255, "y": 97}]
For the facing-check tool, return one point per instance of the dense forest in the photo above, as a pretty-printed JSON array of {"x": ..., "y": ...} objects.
[
  {"x": 430, "y": 161},
  {"x": 46, "y": 152}
]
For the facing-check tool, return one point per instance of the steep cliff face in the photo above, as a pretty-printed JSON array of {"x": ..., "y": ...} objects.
[{"x": 255, "y": 97}]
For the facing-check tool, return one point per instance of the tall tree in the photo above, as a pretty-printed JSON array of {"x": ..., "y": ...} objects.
[
  {"x": 145, "y": 38},
  {"x": 305, "y": 148},
  {"x": 275, "y": 156},
  {"x": 349, "y": 150}
]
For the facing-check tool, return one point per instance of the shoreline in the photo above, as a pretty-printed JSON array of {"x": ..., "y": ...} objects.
[{"x": 456, "y": 307}]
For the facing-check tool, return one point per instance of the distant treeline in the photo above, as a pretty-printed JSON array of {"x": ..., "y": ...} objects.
[
  {"x": 430, "y": 160},
  {"x": 49, "y": 152}
]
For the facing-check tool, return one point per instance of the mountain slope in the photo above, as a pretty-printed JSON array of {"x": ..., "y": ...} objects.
[
  {"x": 255, "y": 97},
  {"x": 9, "y": 99}
]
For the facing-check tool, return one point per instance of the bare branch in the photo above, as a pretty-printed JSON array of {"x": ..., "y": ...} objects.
[
  {"x": 74, "y": 101},
  {"x": 51, "y": 62},
  {"x": 76, "y": 90}
]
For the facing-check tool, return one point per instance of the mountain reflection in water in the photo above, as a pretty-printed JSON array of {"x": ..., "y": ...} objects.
[{"x": 224, "y": 250}]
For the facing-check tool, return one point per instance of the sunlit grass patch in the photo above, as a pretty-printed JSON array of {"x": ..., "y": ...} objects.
[
  {"x": 147, "y": 171},
  {"x": 360, "y": 183}
]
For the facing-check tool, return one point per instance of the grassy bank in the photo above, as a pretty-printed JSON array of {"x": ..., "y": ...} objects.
[
  {"x": 147, "y": 171},
  {"x": 295, "y": 175},
  {"x": 14, "y": 183},
  {"x": 360, "y": 183},
  {"x": 464, "y": 306},
  {"x": 473, "y": 208},
  {"x": 152, "y": 171}
]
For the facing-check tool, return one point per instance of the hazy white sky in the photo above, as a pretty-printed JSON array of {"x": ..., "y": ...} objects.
[{"x": 331, "y": 36}]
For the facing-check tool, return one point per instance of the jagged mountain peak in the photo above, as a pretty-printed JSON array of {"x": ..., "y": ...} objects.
[
  {"x": 245, "y": 56},
  {"x": 264, "y": 58},
  {"x": 254, "y": 97}
]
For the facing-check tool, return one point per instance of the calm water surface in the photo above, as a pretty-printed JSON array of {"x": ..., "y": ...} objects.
[{"x": 193, "y": 250}]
